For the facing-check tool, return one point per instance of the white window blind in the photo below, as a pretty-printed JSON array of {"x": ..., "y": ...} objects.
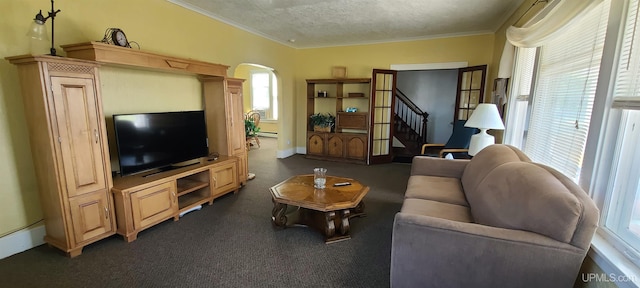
[
  {"x": 526, "y": 60},
  {"x": 627, "y": 86},
  {"x": 564, "y": 93},
  {"x": 519, "y": 103}
]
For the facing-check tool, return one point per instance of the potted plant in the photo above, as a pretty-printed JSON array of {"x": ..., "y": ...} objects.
[
  {"x": 250, "y": 128},
  {"x": 322, "y": 122}
]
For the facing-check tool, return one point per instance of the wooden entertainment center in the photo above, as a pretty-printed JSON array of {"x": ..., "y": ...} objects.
[
  {"x": 143, "y": 200},
  {"x": 68, "y": 136}
]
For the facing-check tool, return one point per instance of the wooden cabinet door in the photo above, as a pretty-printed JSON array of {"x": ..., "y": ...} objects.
[
  {"x": 224, "y": 178},
  {"x": 335, "y": 146},
  {"x": 91, "y": 216},
  {"x": 79, "y": 135},
  {"x": 356, "y": 147},
  {"x": 236, "y": 129},
  {"x": 315, "y": 144},
  {"x": 243, "y": 168},
  {"x": 154, "y": 204}
]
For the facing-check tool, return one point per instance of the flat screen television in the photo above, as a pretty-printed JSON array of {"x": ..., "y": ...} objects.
[{"x": 148, "y": 141}]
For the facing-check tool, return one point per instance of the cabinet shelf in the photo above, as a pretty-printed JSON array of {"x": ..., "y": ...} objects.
[
  {"x": 186, "y": 186},
  {"x": 195, "y": 198}
]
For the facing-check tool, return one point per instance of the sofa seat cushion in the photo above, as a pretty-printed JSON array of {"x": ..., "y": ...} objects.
[
  {"x": 436, "y": 209},
  {"x": 441, "y": 189},
  {"x": 527, "y": 196}
]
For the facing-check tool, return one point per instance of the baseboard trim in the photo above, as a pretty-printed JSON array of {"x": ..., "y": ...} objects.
[
  {"x": 285, "y": 153},
  {"x": 268, "y": 134},
  {"x": 22, "y": 240}
]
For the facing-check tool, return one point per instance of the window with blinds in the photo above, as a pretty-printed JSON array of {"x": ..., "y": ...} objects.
[
  {"x": 563, "y": 97},
  {"x": 623, "y": 213},
  {"x": 627, "y": 86},
  {"x": 518, "y": 110}
]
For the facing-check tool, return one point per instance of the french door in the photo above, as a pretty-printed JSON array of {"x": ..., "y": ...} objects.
[
  {"x": 470, "y": 91},
  {"x": 383, "y": 87}
]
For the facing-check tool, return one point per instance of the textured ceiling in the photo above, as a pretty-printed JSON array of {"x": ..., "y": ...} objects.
[{"x": 322, "y": 23}]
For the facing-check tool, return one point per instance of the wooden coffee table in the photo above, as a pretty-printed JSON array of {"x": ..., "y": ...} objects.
[{"x": 328, "y": 210}]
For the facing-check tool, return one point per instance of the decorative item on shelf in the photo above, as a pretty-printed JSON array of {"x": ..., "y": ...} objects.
[
  {"x": 351, "y": 109},
  {"x": 115, "y": 36},
  {"x": 484, "y": 117},
  {"x": 38, "y": 31},
  {"x": 213, "y": 156},
  {"x": 323, "y": 94},
  {"x": 339, "y": 72},
  {"x": 322, "y": 122}
]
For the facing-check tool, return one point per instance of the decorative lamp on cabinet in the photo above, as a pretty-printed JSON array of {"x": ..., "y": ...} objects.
[
  {"x": 484, "y": 117},
  {"x": 38, "y": 31}
]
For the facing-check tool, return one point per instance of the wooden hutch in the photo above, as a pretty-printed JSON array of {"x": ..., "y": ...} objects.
[
  {"x": 67, "y": 131},
  {"x": 348, "y": 141}
]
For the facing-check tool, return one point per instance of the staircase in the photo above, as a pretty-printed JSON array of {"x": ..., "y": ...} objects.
[{"x": 410, "y": 128}]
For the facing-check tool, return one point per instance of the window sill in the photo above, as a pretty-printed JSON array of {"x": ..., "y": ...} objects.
[{"x": 614, "y": 264}]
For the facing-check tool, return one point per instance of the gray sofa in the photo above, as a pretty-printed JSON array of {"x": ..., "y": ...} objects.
[{"x": 497, "y": 220}]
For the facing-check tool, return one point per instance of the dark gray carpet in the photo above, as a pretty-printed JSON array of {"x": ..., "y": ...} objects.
[{"x": 233, "y": 244}]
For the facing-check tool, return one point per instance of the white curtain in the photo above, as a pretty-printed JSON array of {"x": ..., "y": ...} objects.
[
  {"x": 555, "y": 17},
  {"x": 506, "y": 61}
]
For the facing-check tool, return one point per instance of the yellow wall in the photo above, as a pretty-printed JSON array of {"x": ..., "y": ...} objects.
[{"x": 162, "y": 27}]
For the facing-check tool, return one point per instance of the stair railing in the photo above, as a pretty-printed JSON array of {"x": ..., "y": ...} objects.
[{"x": 411, "y": 116}]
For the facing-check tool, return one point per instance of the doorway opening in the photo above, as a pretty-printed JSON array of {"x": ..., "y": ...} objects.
[
  {"x": 440, "y": 91},
  {"x": 261, "y": 106}
]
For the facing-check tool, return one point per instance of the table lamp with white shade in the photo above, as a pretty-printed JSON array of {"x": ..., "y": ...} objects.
[{"x": 484, "y": 117}]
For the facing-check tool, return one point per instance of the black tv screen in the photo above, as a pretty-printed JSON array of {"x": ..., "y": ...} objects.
[{"x": 157, "y": 140}]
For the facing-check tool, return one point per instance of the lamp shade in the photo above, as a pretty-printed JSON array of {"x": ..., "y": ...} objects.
[
  {"x": 38, "y": 30},
  {"x": 485, "y": 116}
]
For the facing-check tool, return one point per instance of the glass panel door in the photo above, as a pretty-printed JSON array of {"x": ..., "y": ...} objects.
[
  {"x": 470, "y": 90},
  {"x": 383, "y": 87}
]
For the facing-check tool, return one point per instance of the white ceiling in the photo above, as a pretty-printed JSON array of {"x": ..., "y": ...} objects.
[{"x": 322, "y": 23}]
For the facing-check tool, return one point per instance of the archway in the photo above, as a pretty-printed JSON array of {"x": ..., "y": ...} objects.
[{"x": 262, "y": 94}]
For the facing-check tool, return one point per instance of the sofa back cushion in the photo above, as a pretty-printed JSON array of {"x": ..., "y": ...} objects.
[
  {"x": 527, "y": 196},
  {"x": 485, "y": 161}
]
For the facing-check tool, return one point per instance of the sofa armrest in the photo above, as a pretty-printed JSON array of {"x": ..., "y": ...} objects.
[
  {"x": 434, "y": 166},
  {"x": 435, "y": 252}
]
